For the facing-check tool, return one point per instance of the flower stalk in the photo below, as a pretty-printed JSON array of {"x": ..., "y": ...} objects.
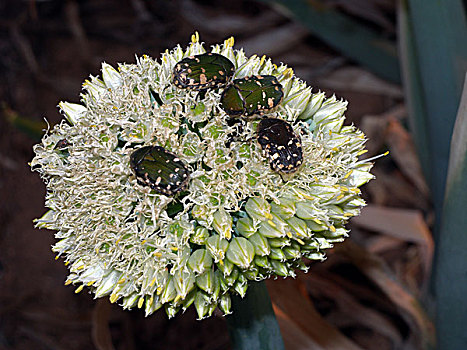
[{"x": 253, "y": 324}]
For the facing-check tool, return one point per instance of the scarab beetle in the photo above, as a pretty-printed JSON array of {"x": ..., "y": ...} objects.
[
  {"x": 209, "y": 70},
  {"x": 159, "y": 169},
  {"x": 280, "y": 144},
  {"x": 256, "y": 94}
]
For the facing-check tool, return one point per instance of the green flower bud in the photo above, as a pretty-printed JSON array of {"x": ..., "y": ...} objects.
[
  {"x": 226, "y": 267},
  {"x": 258, "y": 209},
  {"x": 313, "y": 255},
  {"x": 169, "y": 293},
  {"x": 298, "y": 228},
  {"x": 260, "y": 243},
  {"x": 315, "y": 225},
  {"x": 108, "y": 283},
  {"x": 217, "y": 246},
  {"x": 231, "y": 278},
  {"x": 241, "y": 252},
  {"x": 200, "y": 260},
  {"x": 189, "y": 300},
  {"x": 274, "y": 227},
  {"x": 306, "y": 210},
  {"x": 245, "y": 227},
  {"x": 201, "y": 305},
  {"x": 285, "y": 209},
  {"x": 251, "y": 274},
  {"x": 73, "y": 112},
  {"x": 171, "y": 310},
  {"x": 241, "y": 285},
  {"x": 299, "y": 99},
  {"x": 280, "y": 269},
  {"x": 201, "y": 214},
  {"x": 334, "y": 236},
  {"x": 217, "y": 286},
  {"x": 130, "y": 301},
  {"x": 277, "y": 254},
  {"x": 291, "y": 253},
  {"x": 279, "y": 242},
  {"x": 200, "y": 236},
  {"x": 225, "y": 304},
  {"x": 111, "y": 77},
  {"x": 323, "y": 243},
  {"x": 152, "y": 304},
  {"x": 223, "y": 223},
  {"x": 313, "y": 106},
  {"x": 207, "y": 281},
  {"x": 262, "y": 261},
  {"x": 184, "y": 283}
]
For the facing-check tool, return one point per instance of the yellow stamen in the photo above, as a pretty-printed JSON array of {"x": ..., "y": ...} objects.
[
  {"x": 348, "y": 174},
  {"x": 363, "y": 151},
  {"x": 140, "y": 302},
  {"x": 79, "y": 289},
  {"x": 113, "y": 298}
]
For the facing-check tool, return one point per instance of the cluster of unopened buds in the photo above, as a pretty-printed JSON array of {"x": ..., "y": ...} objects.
[{"x": 176, "y": 182}]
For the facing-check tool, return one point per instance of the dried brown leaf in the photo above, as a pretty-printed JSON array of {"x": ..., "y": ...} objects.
[
  {"x": 403, "y": 152},
  {"x": 286, "y": 297},
  {"x": 377, "y": 271},
  {"x": 350, "y": 311},
  {"x": 405, "y": 224},
  {"x": 294, "y": 337}
]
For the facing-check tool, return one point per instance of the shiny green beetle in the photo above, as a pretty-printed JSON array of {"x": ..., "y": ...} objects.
[
  {"x": 200, "y": 72},
  {"x": 159, "y": 169},
  {"x": 252, "y": 95}
]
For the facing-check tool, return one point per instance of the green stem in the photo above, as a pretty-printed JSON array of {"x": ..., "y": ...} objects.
[{"x": 253, "y": 324}]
